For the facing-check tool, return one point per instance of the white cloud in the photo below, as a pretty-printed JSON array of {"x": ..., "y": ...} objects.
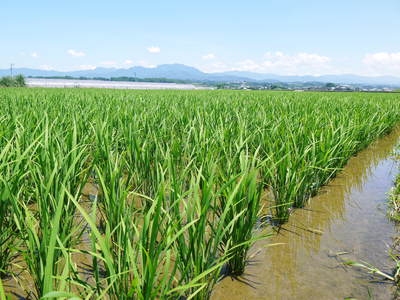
[
  {"x": 383, "y": 63},
  {"x": 86, "y": 67},
  {"x": 46, "y": 67},
  {"x": 34, "y": 55},
  {"x": 249, "y": 65},
  {"x": 214, "y": 67},
  {"x": 154, "y": 49},
  {"x": 278, "y": 63},
  {"x": 76, "y": 53},
  {"x": 143, "y": 63},
  {"x": 208, "y": 56},
  {"x": 279, "y": 59},
  {"x": 114, "y": 64},
  {"x": 109, "y": 63},
  {"x": 382, "y": 58}
]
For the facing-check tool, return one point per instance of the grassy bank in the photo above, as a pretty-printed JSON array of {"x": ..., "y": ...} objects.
[
  {"x": 394, "y": 214},
  {"x": 394, "y": 201},
  {"x": 180, "y": 178}
]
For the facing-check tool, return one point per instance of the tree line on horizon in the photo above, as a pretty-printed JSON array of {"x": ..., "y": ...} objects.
[{"x": 8, "y": 81}]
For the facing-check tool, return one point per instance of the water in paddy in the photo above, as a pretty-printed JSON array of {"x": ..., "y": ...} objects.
[{"x": 348, "y": 216}]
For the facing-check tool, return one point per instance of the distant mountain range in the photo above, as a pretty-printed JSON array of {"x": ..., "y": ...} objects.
[{"x": 183, "y": 72}]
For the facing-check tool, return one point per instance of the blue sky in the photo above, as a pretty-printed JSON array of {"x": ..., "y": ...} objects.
[{"x": 269, "y": 36}]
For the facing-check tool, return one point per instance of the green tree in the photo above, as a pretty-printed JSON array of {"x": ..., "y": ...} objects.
[
  {"x": 330, "y": 85},
  {"x": 6, "y": 81},
  {"x": 20, "y": 80}
]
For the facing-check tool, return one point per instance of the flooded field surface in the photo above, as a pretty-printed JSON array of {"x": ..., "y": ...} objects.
[
  {"x": 61, "y": 83},
  {"x": 346, "y": 221}
]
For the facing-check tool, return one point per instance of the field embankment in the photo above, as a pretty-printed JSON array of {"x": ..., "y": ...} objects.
[
  {"x": 394, "y": 201},
  {"x": 394, "y": 214}
]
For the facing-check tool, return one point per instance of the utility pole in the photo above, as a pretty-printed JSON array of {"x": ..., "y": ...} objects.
[{"x": 11, "y": 67}]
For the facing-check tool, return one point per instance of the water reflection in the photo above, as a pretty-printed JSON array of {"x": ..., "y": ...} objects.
[{"x": 344, "y": 217}]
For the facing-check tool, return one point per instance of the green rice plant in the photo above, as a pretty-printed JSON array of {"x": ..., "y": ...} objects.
[
  {"x": 138, "y": 254},
  {"x": 13, "y": 172},
  {"x": 114, "y": 192},
  {"x": 116, "y": 225},
  {"x": 10, "y": 175},
  {"x": 7, "y": 236},
  {"x": 3, "y": 294},
  {"x": 142, "y": 155},
  {"x": 371, "y": 269},
  {"x": 56, "y": 169},
  {"x": 242, "y": 195},
  {"x": 134, "y": 249},
  {"x": 200, "y": 256},
  {"x": 176, "y": 158}
]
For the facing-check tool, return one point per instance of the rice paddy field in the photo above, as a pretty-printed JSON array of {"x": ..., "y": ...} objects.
[{"x": 116, "y": 194}]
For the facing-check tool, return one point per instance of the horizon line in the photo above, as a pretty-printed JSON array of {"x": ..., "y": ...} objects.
[{"x": 221, "y": 72}]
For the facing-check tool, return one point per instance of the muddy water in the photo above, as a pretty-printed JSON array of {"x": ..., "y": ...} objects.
[{"x": 348, "y": 216}]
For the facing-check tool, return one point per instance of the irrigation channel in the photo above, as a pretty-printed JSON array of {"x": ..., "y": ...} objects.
[{"x": 345, "y": 221}]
